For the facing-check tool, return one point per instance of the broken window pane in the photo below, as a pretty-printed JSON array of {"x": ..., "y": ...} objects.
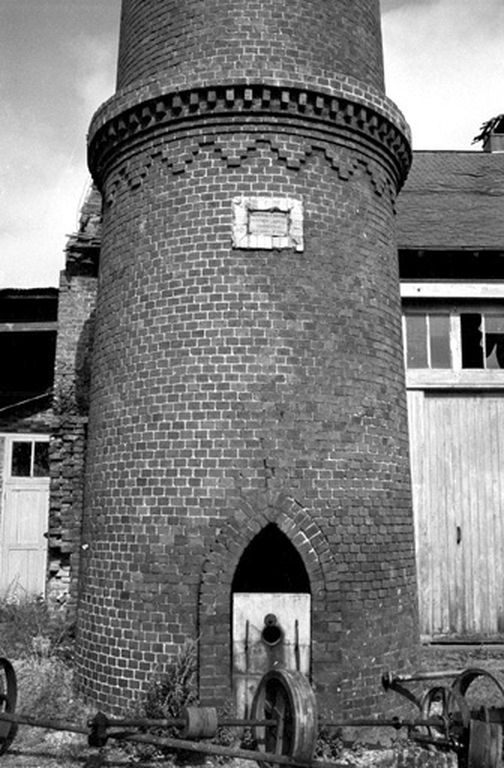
[
  {"x": 494, "y": 341},
  {"x": 472, "y": 340},
  {"x": 439, "y": 331},
  {"x": 21, "y": 459},
  {"x": 416, "y": 341},
  {"x": 41, "y": 460}
]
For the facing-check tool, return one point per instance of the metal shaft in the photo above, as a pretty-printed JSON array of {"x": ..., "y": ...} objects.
[
  {"x": 394, "y": 722},
  {"x": 61, "y": 725},
  {"x": 215, "y": 749},
  {"x": 178, "y": 722},
  {"x": 53, "y": 725},
  {"x": 419, "y": 676}
]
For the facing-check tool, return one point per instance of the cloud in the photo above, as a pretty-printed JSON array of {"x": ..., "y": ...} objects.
[
  {"x": 39, "y": 192},
  {"x": 56, "y": 67},
  {"x": 444, "y": 68},
  {"x": 46, "y": 108},
  {"x": 94, "y": 63}
]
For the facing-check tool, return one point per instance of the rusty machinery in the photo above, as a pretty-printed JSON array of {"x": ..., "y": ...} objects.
[{"x": 285, "y": 724}]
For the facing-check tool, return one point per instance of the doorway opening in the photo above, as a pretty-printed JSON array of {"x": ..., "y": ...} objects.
[
  {"x": 271, "y": 563},
  {"x": 271, "y": 607}
]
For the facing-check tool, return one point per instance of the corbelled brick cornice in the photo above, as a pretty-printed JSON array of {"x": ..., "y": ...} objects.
[{"x": 362, "y": 118}]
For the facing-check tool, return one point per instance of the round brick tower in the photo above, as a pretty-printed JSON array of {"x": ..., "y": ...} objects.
[{"x": 247, "y": 478}]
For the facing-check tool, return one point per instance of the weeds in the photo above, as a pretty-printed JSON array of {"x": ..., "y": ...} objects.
[
  {"x": 39, "y": 644},
  {"x": 170, "y": 692},
  {"x": 166, "y": 696},
  {"x": 28, "y": 628},
  {"x": 45, "y": 689},
  {"x": 329, "y": 745}
]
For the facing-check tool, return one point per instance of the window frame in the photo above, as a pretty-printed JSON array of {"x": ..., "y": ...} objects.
[
  {"x": 13, "y": 437},
  {"x": 455, "y": 377}
]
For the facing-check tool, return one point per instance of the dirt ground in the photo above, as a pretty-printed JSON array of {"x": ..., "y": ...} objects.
[{"x": 57, "y": 750}]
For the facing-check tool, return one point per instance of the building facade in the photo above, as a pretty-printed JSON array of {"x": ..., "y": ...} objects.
[
  {"x": 451, "y": 239},
  {"x": 244, "y": 406}
]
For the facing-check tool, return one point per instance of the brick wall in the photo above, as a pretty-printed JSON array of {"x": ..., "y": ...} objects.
[
  {"x": 311, "y": 39},
  {"x": 234, "y": 388},
  {"x": 226, "y": 379}
]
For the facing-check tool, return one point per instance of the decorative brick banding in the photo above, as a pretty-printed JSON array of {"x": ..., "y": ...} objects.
[{"x": 341, "y": 115}]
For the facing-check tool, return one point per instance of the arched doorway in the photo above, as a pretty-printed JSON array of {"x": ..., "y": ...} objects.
[{"x": 271, "y": 605}]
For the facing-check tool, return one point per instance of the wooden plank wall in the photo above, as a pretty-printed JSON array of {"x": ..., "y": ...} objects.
[{"x": 457, "y": 454}]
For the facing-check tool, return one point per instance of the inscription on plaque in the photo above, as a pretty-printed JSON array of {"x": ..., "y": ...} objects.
[{"x": 269, "y": 223}]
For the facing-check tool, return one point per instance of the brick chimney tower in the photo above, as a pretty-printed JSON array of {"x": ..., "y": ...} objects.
[{"x": 247, "y": 478}]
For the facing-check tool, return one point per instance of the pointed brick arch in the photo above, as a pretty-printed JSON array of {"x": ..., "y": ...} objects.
[{"x": 294, "y": 521}]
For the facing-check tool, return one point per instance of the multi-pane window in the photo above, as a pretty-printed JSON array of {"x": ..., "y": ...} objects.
[
  {"x": 454, "y": 339},
  {"x": 30, "y": 458}
]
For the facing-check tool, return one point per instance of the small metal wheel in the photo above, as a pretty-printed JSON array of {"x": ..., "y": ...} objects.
[
  {"x": 8, "y": 699},
  {"x": 286, "y": 697}
]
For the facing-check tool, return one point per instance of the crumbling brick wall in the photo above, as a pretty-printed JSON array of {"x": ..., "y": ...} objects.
[{"x": 77, "y": 297}]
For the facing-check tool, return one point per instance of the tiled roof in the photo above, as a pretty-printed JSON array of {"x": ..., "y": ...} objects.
[{"x": 453, "y": 200}]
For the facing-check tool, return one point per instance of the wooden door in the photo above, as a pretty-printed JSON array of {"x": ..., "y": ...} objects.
[
  {"x": 457, "y": 460},
  {"x": 24, "y": 516}
]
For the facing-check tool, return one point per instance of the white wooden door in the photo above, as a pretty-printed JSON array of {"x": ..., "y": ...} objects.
[
  {"x": 457, "y": 459},
  {"x": 268, "y": 628},
  {"x": 24, "y": 516}
]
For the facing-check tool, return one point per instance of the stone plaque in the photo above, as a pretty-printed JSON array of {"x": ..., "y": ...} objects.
[{"x": 268, "y": 223}]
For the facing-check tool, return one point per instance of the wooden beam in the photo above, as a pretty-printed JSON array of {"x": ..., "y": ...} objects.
[
  {"x": 452, "y": 290},
  {"x": 49, "y": 325}
]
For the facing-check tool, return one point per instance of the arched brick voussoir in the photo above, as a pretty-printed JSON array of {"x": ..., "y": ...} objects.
[{"x": 292, "y": 518}]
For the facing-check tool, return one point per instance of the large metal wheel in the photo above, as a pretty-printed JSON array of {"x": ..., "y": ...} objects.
[
  {"x": 287, "y": 699},
  {"x": 8, "y": 700},
  {"x": 494, "y": 682},
  {"x": 474, "y": 689}
]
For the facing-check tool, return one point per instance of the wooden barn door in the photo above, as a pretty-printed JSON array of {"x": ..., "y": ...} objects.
[
  {"x": 24, "y": 516},
  {"x": 457, "y": 458}
]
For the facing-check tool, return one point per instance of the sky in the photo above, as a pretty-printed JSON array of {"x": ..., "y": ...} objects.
[{"x": 444, "y": 68}]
